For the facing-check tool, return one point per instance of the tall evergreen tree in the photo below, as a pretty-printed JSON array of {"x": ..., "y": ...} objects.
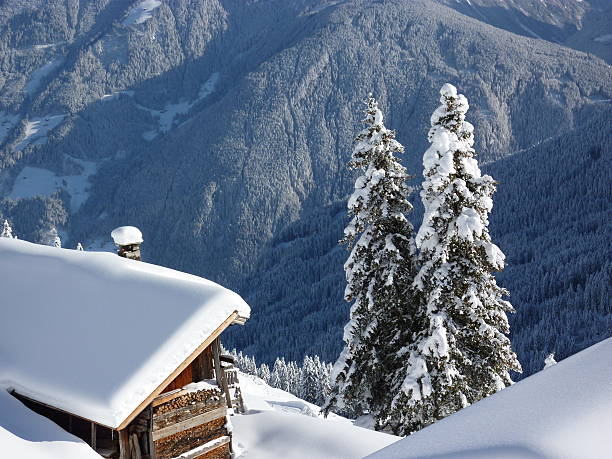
[
  {"x": 264, "y": 373},
  {"x": 310, "y": 383},
  {"x": 379, "y": 271},
  {"x": 7, "y": 231},
  {"x": 462, "y": 353}
]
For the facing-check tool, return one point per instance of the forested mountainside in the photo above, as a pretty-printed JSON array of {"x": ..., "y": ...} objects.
[
  {"x": 221, "y": 127},
  {"x": 583, "y": 25},
  {"x": 551, "y": 217}
]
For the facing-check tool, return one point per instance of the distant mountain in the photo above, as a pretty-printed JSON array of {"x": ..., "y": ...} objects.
[
  {"x": 579, "y": 24},
  {"x": 220, "y": 127}
]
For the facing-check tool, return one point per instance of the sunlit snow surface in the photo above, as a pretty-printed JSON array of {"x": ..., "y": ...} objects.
[
  {"x": 141, "y": 12},
  {"x": 278, "y": 424},
  {"x": 564, "y": 411}
]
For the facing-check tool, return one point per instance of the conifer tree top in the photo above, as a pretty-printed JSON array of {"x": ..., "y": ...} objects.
[
  {"x": 7, "y": 231},
  {"x": 451, "y": 172}
]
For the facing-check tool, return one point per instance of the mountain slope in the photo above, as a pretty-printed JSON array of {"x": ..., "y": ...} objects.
[{"x": 551, "y": 217}]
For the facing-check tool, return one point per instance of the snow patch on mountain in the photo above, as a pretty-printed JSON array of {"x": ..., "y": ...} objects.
[
  {"x": 604, "y": 38},
  {"x": 141, "y": 12},
  {"x": 35, "y": 181},
  {"x": 116, "y": 94},
  {"x": 37, "y": 128},
  {"x": 167, "y": 115},
  {"x": 38, "y": 74}
]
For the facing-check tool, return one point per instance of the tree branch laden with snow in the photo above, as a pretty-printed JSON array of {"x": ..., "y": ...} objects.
[{"x": 462, "y": 353}]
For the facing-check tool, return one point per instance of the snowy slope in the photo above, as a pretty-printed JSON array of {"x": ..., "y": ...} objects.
[
  {"x": 278, "y": 424},
  {"x": 25, "y": 434},
  {"x": 564, "y": 411}
]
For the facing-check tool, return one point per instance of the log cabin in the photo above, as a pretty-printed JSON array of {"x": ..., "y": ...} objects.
[{"x": 124, "y": 354}]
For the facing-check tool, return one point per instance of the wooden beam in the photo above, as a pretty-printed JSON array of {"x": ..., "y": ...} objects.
[
  {"x": 152, "y": 451},
  {"x": 135, "y": 447},
  {"x": 93, "y": 436},
  {"x": 219, "y": 373},
  {"x": 185, "y": 411},
  {"x": 214, "y": 335},
  {"x": 206, "y": 448},
  {"x": 124, "y": 445},
  {"x": 19, "y": 396},
  {"x": 240, "y": 320},
  {"x": 189, "y": 423},
  {"x": 163, "y": 398}
]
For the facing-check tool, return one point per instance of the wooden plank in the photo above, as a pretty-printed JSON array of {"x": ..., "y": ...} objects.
[
  {"x": 124, "y": 445},
  {"x": 167, "y": 396},
  {"x": 152, "y": 452},
  {"x": 135, "y": 447},
  {"x": 189, "y": 423},
  {"x": 206, "y": 448},
  {"x": 93, "y": 436},
  {"x": 214, "y": 335},
  {"x": 240, "y": 320},
  {"x": 219, "y": 373},
  {"x": 185, "y": 377},
  {"x": 203, "y": 365},
  {"x": 186, "y": 411}
]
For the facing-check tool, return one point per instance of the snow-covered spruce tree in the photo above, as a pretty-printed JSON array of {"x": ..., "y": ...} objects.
[
  {"x": 379, "y": 271},
  {"x": 462, "y": 354},
  {"x": 7, "y": 231},
  {"x": 549, "y": 361},
  {"x": 310, "y": 382},
  {"x": 264, "y": 373}
]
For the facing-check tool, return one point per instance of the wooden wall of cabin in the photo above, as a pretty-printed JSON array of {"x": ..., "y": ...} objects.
[{"x": 200, "y": 369}]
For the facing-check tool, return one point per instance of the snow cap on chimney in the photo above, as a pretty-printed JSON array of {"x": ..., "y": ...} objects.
[
  {"x": 126, "y": 235},
  {"x": 128, "y": 238}
]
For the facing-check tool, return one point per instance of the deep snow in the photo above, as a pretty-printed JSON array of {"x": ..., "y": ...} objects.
[
  {"x": 562, "y": 412},
  {"x": 280, "y": 425}
]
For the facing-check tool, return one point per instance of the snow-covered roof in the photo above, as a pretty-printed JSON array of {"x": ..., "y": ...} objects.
[
  {"x": 564, "y": 411},
  {"x": 126, "y": 235},
  {"x": 95, "y": 334}
]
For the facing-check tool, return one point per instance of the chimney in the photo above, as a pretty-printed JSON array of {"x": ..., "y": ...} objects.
[{"x": 128, "y": 240}]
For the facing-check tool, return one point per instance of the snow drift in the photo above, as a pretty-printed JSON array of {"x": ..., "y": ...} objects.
[{"x": 564, "y": 411}]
